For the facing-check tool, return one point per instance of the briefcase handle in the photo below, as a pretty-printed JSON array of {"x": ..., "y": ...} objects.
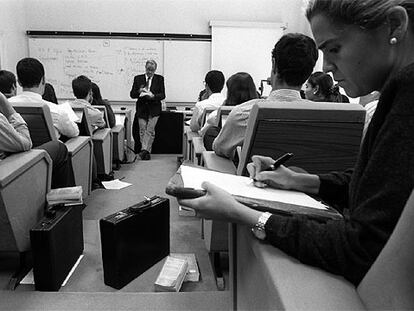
[{"x": 148, "y": 202}]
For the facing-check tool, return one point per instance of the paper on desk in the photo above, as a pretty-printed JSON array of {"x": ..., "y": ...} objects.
[
  {"x": 119, "y": 118},
  {"x": 115, "y": 184},
  {"x": 243, "y": 186}
]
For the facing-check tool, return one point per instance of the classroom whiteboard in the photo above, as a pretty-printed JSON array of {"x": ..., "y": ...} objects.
[{"x": 113, "y": 63}]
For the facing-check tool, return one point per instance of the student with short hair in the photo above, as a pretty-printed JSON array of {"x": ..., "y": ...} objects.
[
  {"x": 82, "y": 89},
  {"x": 31, "y": 77},
  {"x": 8, "y": 83},
  {"x": 293, "y": 59},
  {"x": 15, "y": 137},
  {"x": 214, "y": 83}
]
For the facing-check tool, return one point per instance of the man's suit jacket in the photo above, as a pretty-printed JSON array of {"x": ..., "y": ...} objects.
[{"x": 145, "y": 106}]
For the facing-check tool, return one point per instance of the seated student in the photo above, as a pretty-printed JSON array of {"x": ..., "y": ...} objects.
[
  {"x": 320, "y": 88},
  {"x": 49, "y": 94},
  {"x": 240, "y": 89},
  {"x": 374, "y": 193},
  {"x": 31, "y": 77},
  {"x": 214, "y": 82},
  {"x": 8, "y": 83},
  {"x": 82, "y": 89},
  {"x": 293, "y": 59},
  {"x": 98, "y": 101},
  {"x": 15, "y": 137}
]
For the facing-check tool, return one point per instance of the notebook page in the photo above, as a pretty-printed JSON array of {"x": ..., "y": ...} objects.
[{"x": 193, "y": 177}]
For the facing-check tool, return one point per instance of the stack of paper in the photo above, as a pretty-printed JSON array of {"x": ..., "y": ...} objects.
[
  {"x": 193, "y": 273},
  {"x": 67, "y": 196},
  {"x": 172, "y": 275}
]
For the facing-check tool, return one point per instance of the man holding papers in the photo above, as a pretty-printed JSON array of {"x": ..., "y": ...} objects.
[
  {"x": 372, "y": 196},
  {"x": 149, "y": 90}
]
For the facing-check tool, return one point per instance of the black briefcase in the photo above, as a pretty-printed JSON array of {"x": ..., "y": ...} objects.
[
  {"x": 134, "y": 239},
  {"x": 57, "y": 243}
]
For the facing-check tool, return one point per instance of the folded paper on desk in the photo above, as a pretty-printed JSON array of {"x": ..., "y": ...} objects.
[{"x": 266, "y": 199}]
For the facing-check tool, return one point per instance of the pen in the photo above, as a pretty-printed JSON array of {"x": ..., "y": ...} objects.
[{"x": 279, "y": 161}]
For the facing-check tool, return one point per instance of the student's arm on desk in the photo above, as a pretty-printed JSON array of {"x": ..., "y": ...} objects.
[{"x": 195, "y": 118}]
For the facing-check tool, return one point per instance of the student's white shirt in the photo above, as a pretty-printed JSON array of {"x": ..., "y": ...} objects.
[
  {"x": 95, "y": 115},
  {"x": 63, "y": 125},
  {"x": 214, "y": 101},
  {"x": 370, "y": 110}
]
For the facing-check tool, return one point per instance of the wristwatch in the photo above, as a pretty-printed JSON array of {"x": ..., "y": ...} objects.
[{"x": 259, "y": 228}]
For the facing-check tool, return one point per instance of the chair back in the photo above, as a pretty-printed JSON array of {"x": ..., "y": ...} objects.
[
  {"x": 222, "y": 114},
  {"x": 389, "y": 283},
  {"x": 22, "y": 201},
  {"x": 322, "y": 136},
  {"x": 205, "y": 114},
  {"x": 39, "y": 122}
]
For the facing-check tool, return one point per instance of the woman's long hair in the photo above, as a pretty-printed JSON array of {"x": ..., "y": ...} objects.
[{"x": 240, "y": 89}]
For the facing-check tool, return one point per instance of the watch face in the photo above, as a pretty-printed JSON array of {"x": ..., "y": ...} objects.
[{"x": 259, "y": 233}]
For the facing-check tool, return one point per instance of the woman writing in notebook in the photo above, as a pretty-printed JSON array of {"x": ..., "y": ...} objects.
[{"x": 367, "y": 46}]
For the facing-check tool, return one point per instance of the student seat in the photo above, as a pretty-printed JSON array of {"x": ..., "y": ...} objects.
[
  {"x": 322, "y": 136},
  {"x": 39, "y": 121},
  {"x": 22, "y": 202},
  {"x": 102, "y": 140},
  {"x": 118, "y": 138},
  {"x": 197, "y": 147}
]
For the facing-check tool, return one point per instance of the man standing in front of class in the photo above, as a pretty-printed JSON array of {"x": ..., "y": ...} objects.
[{"x": 149, "y": 90}]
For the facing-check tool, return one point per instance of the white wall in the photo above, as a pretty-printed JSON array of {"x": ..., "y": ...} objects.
[
  {"x": 13, "y": 41},
  {"x": 170, "y": 16}
]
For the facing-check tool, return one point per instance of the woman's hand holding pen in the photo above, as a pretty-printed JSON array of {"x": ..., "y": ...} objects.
[{"x": 281, "y": 177}]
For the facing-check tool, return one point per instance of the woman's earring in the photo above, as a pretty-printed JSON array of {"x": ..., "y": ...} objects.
[{"x": 393, "y": 41}]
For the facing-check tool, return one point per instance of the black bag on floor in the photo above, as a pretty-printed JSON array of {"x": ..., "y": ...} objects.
[
  {"x": 57, "y": 243},
  {"x": 134, "y": 239}
]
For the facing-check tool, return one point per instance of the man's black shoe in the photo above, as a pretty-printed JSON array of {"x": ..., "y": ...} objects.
[
  {"x": 97, "y": 185},
  {"x": 145, "y": 155},
  {"x": 106, "y": 177}
]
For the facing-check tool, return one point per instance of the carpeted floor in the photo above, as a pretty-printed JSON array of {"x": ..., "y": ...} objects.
[{"x": 148, "y": 178}]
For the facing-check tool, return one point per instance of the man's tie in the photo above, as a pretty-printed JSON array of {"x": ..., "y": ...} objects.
[{"x": 147, "y": 83}]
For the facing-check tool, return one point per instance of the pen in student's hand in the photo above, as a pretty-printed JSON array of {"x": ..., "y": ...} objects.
[
  {"x": 279, "y": 161},
  {"x": 121, "y": 178}
]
